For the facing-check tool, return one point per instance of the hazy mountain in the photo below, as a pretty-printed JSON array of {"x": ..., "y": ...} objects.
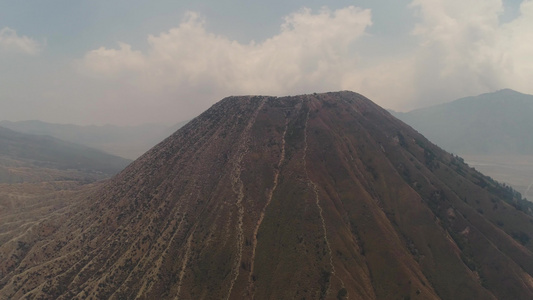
[
  {"x": 494, "y": 123},
  {"x": 491, "y": 131},
  {"x": 125, "y": 141},
  {"x": 309, "y": 197},
  {"x": 31, "y": 158}
]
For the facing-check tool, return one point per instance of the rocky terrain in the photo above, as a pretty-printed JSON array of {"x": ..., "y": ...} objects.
[{"x": 323, "y": 196}]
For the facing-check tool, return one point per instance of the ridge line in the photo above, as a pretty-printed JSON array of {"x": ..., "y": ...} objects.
[
  {"x": 238, "y": 187},
  {"x": 185, "y": 261},
  {"x": 320, "y": 210},
  {"x": 263, "y": 212},
  {"x": 141, "y": 259}
]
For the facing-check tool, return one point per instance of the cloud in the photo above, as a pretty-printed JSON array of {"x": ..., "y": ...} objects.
[
  {"x": 516, "y": 46},
  {"x": 457, "y": 48},
  {"x": 311, "y": 52},
  {"x": 11, "y": 42},
  {"x": 464, "y": 49},
  {"x": 113, "y": 62}
]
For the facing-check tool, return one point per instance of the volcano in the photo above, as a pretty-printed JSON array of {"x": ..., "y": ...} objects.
[{"x": 322, "y": 196}]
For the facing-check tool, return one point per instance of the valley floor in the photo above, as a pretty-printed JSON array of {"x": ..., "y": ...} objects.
[{"x": 515, "y": 170}]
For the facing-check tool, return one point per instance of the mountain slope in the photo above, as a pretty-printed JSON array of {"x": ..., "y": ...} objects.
[
  {"x": 317, "y": 196},
  {"x": 494, "y": 123},
  {"x": 19, "y": 151}
]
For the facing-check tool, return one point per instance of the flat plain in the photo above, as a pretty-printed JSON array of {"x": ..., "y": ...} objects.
[{"x": 514, "y": 170}]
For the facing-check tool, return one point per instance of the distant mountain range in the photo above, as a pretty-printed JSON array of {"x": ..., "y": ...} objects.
[
  {"x": 493, "y": 123},
  {"x": 125, "y": 141},
  {"x": 28, "y": 157}
]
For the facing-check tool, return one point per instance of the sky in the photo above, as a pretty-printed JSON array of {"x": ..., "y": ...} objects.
[{"x": 137, "y": 61}]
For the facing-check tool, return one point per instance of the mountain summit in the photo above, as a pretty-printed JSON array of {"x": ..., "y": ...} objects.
[{"x": 323, "y": 196}]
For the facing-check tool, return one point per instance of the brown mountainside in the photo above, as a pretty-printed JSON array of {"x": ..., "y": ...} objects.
[{"x": 310, "y": 197}]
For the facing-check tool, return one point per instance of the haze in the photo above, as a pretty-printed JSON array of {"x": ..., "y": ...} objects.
[{"x": 134, "y": 62}]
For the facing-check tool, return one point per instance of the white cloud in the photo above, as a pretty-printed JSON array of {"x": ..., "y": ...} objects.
[
  {"x": 456, "y": 55},
  {"x": 310, "y": 53},
  {"x": 111, "y": 62},
  {"x": 463, "y": 31},
  {"x": 457, "y": 48},
  {"x": 465, "y": 50},
  {"x": 516, "y": 46},
  {"x": 10, "y": 41}
]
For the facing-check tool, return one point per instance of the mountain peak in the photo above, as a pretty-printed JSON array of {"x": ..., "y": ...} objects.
[{"x": 507, "y": 92}]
